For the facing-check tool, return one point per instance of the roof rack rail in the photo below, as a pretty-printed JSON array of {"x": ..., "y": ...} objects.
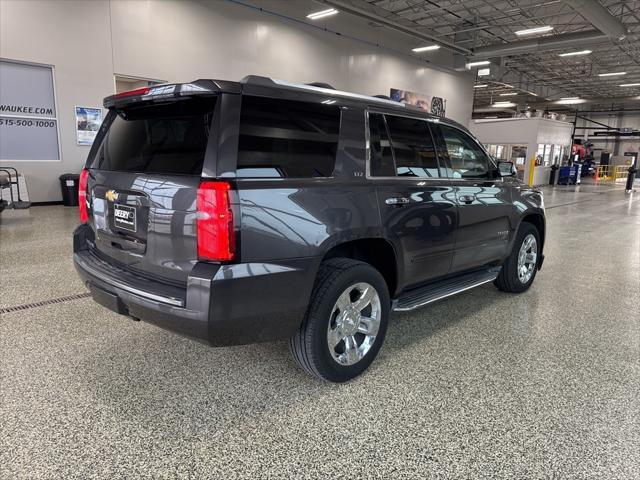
[
  {"x": 271, "y": 82},
  {"x": 386, "y": 97}
]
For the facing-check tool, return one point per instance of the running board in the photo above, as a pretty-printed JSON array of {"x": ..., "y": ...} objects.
[{"x": 419, "y": 297}]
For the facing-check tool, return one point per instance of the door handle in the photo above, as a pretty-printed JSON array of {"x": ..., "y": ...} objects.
[
  {"x": 467, "y": 198},
  {"x": 397, "y": 201}
]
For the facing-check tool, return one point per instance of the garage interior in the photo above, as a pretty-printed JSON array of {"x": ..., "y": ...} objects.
[{"x": 479, "y": 385}]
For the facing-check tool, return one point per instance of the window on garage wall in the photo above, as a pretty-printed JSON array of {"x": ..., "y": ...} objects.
[{"x": 28, "y": 113}]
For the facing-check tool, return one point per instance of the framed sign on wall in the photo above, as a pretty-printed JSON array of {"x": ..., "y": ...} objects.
[
  {"x": 428, "y": 103},
  {"x": 88, "y": 121},
  {"x": 28, "y": 113}
]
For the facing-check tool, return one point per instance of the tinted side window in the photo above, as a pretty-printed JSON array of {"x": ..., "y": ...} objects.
[
  {"x": 381, "y": 163},
  {"x": 287, "y": 139},
  {"x": 467, "y": 159},
  {"x": 413, "y": 148}
]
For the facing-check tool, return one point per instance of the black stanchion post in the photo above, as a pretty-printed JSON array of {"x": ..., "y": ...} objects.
[
  {"x": 553, "y": 174},
  {"x": 631, "y": 177}
]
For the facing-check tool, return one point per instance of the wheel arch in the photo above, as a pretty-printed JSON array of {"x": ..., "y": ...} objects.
[
  {"x": 538, "y": 221},
  {"x": 376, "y": 251}
]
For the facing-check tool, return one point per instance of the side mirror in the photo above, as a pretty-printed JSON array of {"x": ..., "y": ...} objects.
[{"x": 507, "y": 169}]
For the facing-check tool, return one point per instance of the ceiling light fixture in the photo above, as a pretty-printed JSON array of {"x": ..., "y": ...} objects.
[
  {"x": 531, "y": 31},
  {"x": 425, "y": 49},
  {"x": 477, "y": 64},
  {"x": 484, "y": 85},
  {"x": 630, "y": 85},
  {"x": 570, "y": 101},
  {"x": 483, "y": 72},
  {"x": 322, "y": 14},
  {"x": 508, "y": 94},
  {"x": 573, "y": 54},
  {"x": 611, "y": 74},
  {"x": 503, "y": 104}
]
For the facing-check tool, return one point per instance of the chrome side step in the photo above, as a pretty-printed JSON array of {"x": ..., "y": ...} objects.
[{"x": 419, "y": 297}]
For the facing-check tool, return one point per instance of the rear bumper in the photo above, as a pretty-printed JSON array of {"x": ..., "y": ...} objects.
[{"x": 220, "y": 304}]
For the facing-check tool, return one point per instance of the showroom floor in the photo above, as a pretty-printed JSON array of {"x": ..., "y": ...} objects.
[{"x": 482, "y": 385}]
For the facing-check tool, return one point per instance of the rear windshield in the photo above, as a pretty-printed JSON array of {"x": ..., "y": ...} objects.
[{"x": 169, "y": 138}]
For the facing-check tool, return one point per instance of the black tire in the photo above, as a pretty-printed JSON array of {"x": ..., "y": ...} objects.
[
  {"x": 309, "y": 346},
  {"x": 508, "y": 280}
]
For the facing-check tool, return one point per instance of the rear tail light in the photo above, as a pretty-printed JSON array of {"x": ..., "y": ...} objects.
[
  {"x": 131, "y": 93},
  {"x": 216, "y": 237},
  {"x": 82, "y": 196}
]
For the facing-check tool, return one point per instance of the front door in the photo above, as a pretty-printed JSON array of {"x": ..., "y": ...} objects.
[
  {"x": 484, "y": 202},
  {"x": 417, "y": 205}
]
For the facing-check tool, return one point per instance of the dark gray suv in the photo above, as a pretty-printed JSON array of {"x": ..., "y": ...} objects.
[{"x": 238, "y": 212}]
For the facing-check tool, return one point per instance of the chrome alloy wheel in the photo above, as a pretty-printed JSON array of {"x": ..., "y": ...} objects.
[
  {"x": 527, "y": 258},
  {"x": 354, "y": 323}
]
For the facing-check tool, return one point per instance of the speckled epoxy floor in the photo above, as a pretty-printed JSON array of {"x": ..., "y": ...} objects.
[{"x": 482, "y": 385}]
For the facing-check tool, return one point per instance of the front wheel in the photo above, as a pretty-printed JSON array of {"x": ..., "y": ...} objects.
[
  {"x": 346, "y": 322},
  {"x": 519, "y": 270}
]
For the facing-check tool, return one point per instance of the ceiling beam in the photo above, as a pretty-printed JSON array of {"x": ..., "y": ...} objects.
[
  {"x": 566, "y": 40},
  {"x": 525, "y": 83},
  {"x": 593, "y": 101},
  {"x": 599, "y": 17},
  {"x": 538, "y": 103}
]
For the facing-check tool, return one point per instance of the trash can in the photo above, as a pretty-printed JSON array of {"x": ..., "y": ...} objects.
[
  {"x": 69, "y": 186},
  {"x": 567, "y": 175}
]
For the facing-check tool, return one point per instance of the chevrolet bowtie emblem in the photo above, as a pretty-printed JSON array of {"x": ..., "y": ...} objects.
[{"x": 111, "y": 195}]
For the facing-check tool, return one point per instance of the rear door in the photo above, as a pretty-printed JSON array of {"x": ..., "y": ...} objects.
[
  {"x": 145, "y": 173},
  {"x": 417, "y": 205},
  {"x": 484, "y": 202}
]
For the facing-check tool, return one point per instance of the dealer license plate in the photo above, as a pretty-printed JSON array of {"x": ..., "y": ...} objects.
[{"x": 124, "y": 217}]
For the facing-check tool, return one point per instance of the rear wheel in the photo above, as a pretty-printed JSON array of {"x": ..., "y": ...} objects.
[
  {"x": 519, "y": 270},
  {"x": 345, "y": 323}
]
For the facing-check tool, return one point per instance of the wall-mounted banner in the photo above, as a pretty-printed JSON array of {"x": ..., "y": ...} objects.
[
  {"x": 428, "y": 103},
  {"x": 28, "y": 116},
  {"x": 88, "y": 122}
]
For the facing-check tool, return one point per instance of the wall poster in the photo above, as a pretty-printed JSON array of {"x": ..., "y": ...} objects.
[
  {"x": 88, "y": 122},
  {"x": 428, "y": 103},
  {"x": 28, "y": 114}
]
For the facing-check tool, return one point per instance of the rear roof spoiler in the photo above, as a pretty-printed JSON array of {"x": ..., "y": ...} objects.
[{"x": 166, "y": 91}]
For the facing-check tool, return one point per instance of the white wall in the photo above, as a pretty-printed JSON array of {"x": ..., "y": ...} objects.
[
  {"x": 89, "y": 41},
  {"x": 554, "y": 132},
  {"x": 74, "y": 38},
  {"x": 522, "y": 130},
  {"x": 509, "y": 130}
]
